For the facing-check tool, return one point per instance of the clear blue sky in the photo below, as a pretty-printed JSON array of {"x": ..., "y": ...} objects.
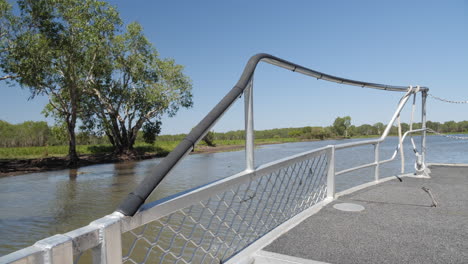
[{"x": 392, "y": 42}]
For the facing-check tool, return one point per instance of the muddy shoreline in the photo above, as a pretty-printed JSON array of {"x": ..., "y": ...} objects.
[{"x": 12, "y": 167}]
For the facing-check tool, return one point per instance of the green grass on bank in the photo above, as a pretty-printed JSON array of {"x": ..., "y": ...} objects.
[{"x": 160, "y": 147}]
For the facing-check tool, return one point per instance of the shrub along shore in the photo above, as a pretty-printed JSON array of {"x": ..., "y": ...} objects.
[
  {"x": 21, "y": 160},
  {"x": 158, "y": 149},
  {"x": 34, "y": 146}
]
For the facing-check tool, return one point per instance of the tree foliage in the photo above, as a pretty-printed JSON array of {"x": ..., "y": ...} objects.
[
  {"x": 39, "y": 133},
  {"x": 57, "y": 50},
  {"x": 209, "y": 139},
  {"x": 379, "y": 126},
  {"x": 137, "y": 88},
  {"x": 341, "y": 125},
  {"x": 27, "y": 134},
  {"x": 150, "y": 131},
  {"x": 76, "y": 53},
  {"x": 7, "y": 30},
  {"x": 58, "y": 134}
]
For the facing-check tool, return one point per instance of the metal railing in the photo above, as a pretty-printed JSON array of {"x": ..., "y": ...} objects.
[
  {"x": 228, "y": 219},
  {"x": 224, "y": 220},
  {"x": 135, "y": 199}
]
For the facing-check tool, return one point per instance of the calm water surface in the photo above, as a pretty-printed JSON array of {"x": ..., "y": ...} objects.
[{"x": 35, "y": 206}]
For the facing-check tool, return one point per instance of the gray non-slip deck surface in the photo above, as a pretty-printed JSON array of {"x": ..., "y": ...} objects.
[{"x": 397, "y": 226}]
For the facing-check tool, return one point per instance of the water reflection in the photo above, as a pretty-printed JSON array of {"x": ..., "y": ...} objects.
[
  {"x": 125, "y": 168},
  {"x": 72, "y": 174}
]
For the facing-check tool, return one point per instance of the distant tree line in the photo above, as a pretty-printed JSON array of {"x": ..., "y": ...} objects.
[
  {"x": 27, "y": 134},
  {"x": 37, "y": 134},
  {"x": 341, "y": 128},
  {"x": 31, "y": 134}
]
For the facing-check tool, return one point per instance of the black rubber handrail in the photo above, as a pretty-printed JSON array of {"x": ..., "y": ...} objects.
[{"x": 136, "y": 198}]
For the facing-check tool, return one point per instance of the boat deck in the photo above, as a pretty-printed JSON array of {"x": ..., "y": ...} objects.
[{"x": 398, "y": 225}]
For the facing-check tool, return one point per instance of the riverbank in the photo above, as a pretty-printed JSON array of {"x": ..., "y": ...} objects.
[{"x": 12, "y": 167}]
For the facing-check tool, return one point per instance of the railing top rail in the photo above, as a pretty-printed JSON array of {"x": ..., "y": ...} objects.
[
  {"x": 373, "y": 141},
  {"x": 135, "y": 199},
  {"x": 323, "y": 76}
]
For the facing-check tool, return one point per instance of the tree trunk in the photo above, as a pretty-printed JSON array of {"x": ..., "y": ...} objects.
[
  {"x": 72, "y": 156},
  {"x": 132, "y": 141},
  {"x": 71, "y": 123},
  {"x": 125, "y": 150},
  {"x": 110, "y": 137},
  {"x": 126, "y": 140}
]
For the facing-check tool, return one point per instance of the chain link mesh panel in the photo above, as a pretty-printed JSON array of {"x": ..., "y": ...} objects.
[{"x": 213, "y": 230}]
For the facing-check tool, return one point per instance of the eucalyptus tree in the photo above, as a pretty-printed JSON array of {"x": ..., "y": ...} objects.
[
  {"x": 379, "y": 126},
  {"x": 138, "y": 89},
  {"x": 58, "y": 50},
  {"x": 7, "y": 29},
  {"x": 341, "y": 125}
]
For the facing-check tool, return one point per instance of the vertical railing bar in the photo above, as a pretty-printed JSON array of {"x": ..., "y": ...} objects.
[
  {"x": 110, "y": 249},
  {"x": 377, "y": 161},
  {"x": 423, "y": 126},
  {"x": 331, "y": 174},
  {"x": 249, "y": 127}
]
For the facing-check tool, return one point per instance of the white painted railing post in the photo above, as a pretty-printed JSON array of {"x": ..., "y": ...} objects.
[
  {"x": 377, "y": 162},
  {"x": 249, "y": 127},
  {"x": 110, "y": 249},
  {"x": 58, "y": 249},
  {"x": 423, "y": 126},
  {"x": 331, "y": 174}
]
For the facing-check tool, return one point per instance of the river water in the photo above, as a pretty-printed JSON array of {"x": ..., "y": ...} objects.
[{"x": 38, "y": 205}]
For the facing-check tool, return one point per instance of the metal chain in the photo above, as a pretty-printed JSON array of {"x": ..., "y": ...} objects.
[
  {"x": 448, "y": 101},
  {"x": 445, "y": 135}
]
